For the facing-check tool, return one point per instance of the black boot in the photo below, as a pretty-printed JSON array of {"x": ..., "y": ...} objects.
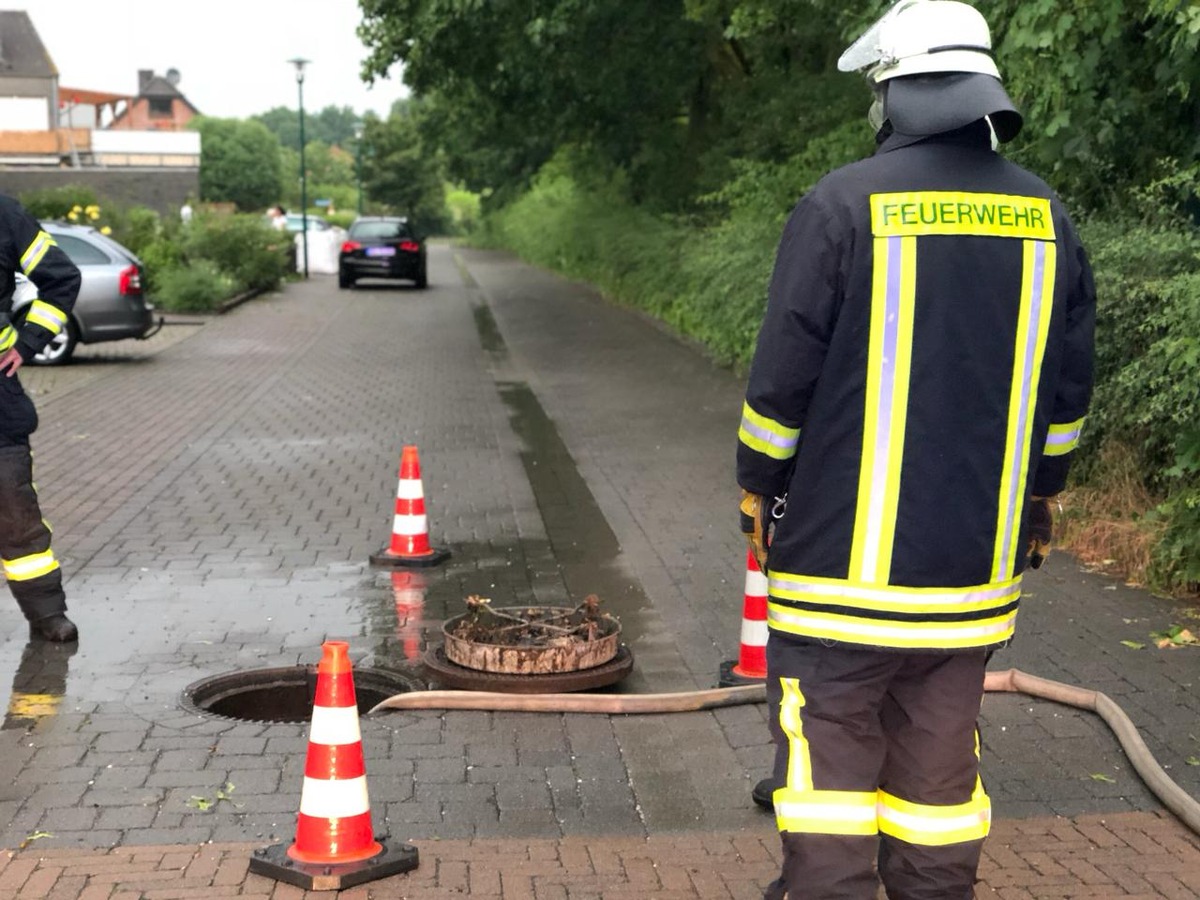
[
  {"x": 57, "y": 628},
  {"x": 764, "y": 793}
]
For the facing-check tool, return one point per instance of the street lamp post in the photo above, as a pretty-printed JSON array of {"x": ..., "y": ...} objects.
[
  {"x": 300, "y": 64},
  {"x": 358, "y": 136}
]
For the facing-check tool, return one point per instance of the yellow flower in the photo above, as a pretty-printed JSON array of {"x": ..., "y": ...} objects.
[
  {"x": 73, "y": 215},
  {"x": 93, "y": 212},
  {"x": 105, "y": 230}
]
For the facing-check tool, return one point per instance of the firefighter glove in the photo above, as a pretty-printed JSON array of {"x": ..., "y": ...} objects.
[
  {"x": 1041, "y": 530},
  {"x": 758, "y": 517}
]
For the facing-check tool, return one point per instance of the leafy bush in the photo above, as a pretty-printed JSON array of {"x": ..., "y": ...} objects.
[
  {"x": 57, "y": 202},
  {"x": 197, "y": 287},
  {"x": 243, "y": 247},
  {"x": 137, "y": 228},
  {"x": 157, "y": 257},
  {"x": 464, "y": 209},
  {"x": 1148, "y": 377},
  {"x": 343, "y": 218}
]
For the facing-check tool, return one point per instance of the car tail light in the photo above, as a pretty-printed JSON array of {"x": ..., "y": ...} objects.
[
  {"x": 351, "y": 246},
  {"x": 410, "y": 246},
  {"x": 131, "y": 281}
]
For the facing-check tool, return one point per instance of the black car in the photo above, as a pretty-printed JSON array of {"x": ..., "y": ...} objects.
[{"x": 381, "y": 247}]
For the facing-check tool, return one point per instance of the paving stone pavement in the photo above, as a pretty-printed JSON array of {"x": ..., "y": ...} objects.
[{"x": 216, "y": 497}]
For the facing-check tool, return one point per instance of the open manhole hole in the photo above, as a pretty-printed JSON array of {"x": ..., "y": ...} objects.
[{"x": 285, "y": 694}]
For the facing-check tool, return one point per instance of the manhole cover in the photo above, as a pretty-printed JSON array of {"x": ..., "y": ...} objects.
[
  {"x": 285, "y": 694},
  {"x": 525, "y": 640}
]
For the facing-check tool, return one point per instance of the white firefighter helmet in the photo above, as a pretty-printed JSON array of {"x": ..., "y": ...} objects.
[
  {"x": 918, "y": 37},
  {"x": 931, "y": 62}
]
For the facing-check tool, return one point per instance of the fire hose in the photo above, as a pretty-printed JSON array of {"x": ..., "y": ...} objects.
[{"x": 1172, "y": 796}]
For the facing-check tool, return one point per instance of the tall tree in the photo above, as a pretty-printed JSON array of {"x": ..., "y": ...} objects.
[
  {"x": 332, "y": 125},
  {"x": 400, "y": 173},
  {"x": 239, "y": 163},
  {"x": 519, "y": 77}
]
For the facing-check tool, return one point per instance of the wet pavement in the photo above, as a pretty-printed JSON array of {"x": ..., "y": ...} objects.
[{"x": 215, "y": 500}]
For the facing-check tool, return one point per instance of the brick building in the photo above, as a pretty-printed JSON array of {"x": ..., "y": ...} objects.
[
  {"x": 132, "y": 149},
  {"x": 158, "y": 106}
]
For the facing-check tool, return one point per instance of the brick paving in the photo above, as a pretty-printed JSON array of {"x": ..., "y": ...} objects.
[
  {"x": 216, "y": 497},
  {"x": 1128, "y": 855}
]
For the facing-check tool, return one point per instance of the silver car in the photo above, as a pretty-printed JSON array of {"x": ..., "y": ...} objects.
[{"x": 111, "y": 304}]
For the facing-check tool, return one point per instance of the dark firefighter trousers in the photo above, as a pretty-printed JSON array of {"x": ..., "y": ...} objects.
[
  {"x": 879, "y": 757},
  {"x": 33, "y": 574}
]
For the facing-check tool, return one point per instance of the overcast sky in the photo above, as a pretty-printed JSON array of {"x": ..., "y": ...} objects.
[{"x": 232, "y": 54}]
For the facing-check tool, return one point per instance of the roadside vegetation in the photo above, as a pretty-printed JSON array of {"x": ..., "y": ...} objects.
[{"x": 659, "y": 163}]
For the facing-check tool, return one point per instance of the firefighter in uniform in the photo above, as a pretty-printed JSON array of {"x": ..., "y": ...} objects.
[
  {"x": 29, "y": 565},
  {"x": 919, "y": 384}
]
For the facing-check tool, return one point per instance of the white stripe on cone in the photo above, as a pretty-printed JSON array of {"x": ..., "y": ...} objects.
[
  {"x": 334, "y": 799},
  {"x": 754, "y": 633},
  {"x": 410, "y": 489},
  {"x": 410, "y": 525},
  {"x": 756, "y": 584},
  {"x": 334, "y": 725}
]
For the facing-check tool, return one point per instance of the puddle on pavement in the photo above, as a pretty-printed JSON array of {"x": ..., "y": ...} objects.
[
  {"x": 583, "y": 544},
  {"x": 390, "y": 618}
]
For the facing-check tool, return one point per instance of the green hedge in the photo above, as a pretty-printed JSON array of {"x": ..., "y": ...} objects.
[{"x": 198, "y": 287}]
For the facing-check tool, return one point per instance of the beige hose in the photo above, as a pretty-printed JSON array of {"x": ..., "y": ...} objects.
[
  {"x": 1173, "y": 797},
  {"x": 1011, "y": 680},
  {"x": 604, "y": 704}
]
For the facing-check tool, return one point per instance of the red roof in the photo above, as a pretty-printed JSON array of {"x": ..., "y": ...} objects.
[{"x": 95, "y": 98}]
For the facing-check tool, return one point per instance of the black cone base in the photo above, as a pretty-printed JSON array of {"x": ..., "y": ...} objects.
[
  {"x": 274, "y": 862},
  {"x": 730, "y": 678},
  {"x": 384, "y": 558}
]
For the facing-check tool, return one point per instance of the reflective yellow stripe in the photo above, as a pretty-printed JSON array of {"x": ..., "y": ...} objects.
[
  {"x": 49, "y": 317},
  {"x": 8, "y": 337},
  {"x": 889, "y": 364},
  {"x": 1064, "y": 438},
  {"x": 934, "y": 826},
  {"x": 33, "y": 706},
  {"x": 1033, "y": 325},
  {"x": 826, "y": 812},
  {"x": 774, "y": 439},
  {"x": 799, "y": 771},
  {"x": 35, "y": 251},
  {"x": 952, "y": 212},
  {"x": 29, "y": 567},
  {"x": 851, "y": 629},
  {"x": 893, "y": 598}
]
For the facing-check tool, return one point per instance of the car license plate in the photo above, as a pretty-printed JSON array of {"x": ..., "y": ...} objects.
[{"x": 381, "y": 251}]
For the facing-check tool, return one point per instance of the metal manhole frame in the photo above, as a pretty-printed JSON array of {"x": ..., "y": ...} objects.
[
  {"x": 441, "y": 669},
  {"x": 277, "y": 676}
]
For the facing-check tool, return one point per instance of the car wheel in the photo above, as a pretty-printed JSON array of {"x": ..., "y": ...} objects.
[
  {"x": 422, "y": 281},
  {"x": 344, "y": 280},
  {"x": 60, "y": 348}
]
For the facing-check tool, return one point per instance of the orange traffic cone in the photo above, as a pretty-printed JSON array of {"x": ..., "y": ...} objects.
[
  {"x": 408, "y": 589},
  {"x": 751, "y": 665},
  {"x": 410, "y": 528},
  {"x": 335, "y": 847}
]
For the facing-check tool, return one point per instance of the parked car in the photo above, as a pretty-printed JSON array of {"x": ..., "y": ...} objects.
[
  {"x": 382, "y": 247},
  {"x": 111, "y": 305}
]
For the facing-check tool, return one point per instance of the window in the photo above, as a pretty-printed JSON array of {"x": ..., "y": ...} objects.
[
  {"x": 81, "y": 252},
  {"x": 160, "y": 106},
  {"x": 384, "y": 230}
]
